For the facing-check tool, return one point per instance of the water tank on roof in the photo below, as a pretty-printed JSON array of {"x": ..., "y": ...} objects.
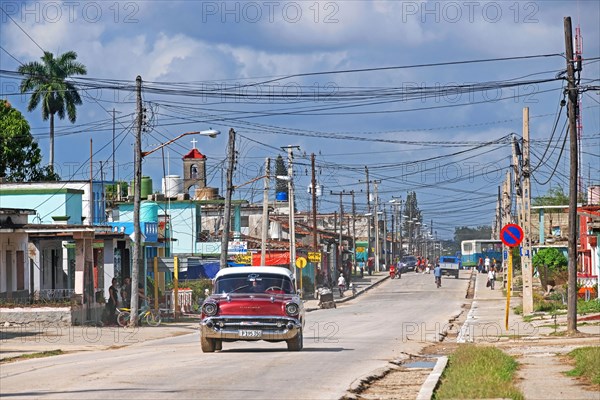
[
  {"x": 146, "y": 186},
  {"x": 172, "y": 185},
  {"x": 148, "y": 211},
  {"x": 281, "y": 196}
]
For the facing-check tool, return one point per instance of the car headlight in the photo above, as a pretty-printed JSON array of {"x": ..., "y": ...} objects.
[
  {"x": 292, "y": 309},
  {"x": 210, "y": 308}
]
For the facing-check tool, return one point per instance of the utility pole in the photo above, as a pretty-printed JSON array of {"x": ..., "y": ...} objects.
[
  {"x": 370, "y": 219},
  {"x": 377, "y": 247},
  {"x": 91, "y": 197},
  {"x": 526, "y": 221},
  {"x": 113, "y": 147},
  {"x": 228, "y": 195},
  {"x": 292, "y": 211},
  {"x": 506, "y": 205},
  {"x": 573, "y": 109},
  {"x": 353, "y": 232},
  {"x": 313, "y": 183},
  {"x": 265, "y": 214},
  {"x": 137, "y": 195}
]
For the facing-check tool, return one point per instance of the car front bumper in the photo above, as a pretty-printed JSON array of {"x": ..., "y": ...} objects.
[{"x": 270, "y": 328}]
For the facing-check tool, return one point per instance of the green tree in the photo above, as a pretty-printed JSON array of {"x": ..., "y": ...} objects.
[
  {"x": 466, "y": 233},
  {"x": 48, "y": 84},
  {"x": 549, "y": 262},
  {"x": 20, "y": 156},
  {"x": 555, "y": 197},
  {"x": 411, "y": 221},
  {"x": 281, "y": 186}
]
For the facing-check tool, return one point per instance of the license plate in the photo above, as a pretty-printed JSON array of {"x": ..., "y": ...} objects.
[{"x": 250, "y": 333}]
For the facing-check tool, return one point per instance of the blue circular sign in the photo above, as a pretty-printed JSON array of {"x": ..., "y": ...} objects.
[{"x": 511, "y": 235}]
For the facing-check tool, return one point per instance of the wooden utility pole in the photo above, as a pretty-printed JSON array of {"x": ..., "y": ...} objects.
[
  {"x": 526, "y": 221},
  {"x": 228, "y": 195},
  {"x": 573, "y": 109},
  {"x": 137, "y": 197},
  {"x": 265, "y": 214}
]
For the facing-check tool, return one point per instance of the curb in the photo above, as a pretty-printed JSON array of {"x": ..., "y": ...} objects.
[
  {"x": 426, "y": 392},
  {"x": 348, "y": 298}
]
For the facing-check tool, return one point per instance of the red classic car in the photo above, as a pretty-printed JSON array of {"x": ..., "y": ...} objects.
[{"x": 252, "y": 303}]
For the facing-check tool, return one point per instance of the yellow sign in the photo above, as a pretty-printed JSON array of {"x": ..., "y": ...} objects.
[
  {"x": 314, "y": 256},
  {"x": 300, "y": 262},
  {"x": 360, "y": 249},
  {"x": 244, "y": 258}
]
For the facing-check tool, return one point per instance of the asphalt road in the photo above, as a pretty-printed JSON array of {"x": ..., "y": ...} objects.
[{"x": 340, "y": 346}]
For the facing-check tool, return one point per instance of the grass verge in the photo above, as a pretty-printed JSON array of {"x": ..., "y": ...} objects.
[
  {"x": 587, "y": 364},
  {"x": 478, "y": 372},
  {"x": 42, "y": 354}
]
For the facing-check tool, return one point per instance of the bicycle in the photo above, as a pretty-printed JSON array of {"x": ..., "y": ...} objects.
[{"x": 152, "y": 318}]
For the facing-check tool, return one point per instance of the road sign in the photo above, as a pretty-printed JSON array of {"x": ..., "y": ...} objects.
[
  {"x": 314, "y": 256},
  {"x": 511, "y": 235},
  {"x": 300, "y": 262},
  {"x": 244, "y": 258}
]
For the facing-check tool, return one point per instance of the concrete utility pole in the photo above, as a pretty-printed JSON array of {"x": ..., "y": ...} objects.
[
  {"x": 292, "y": 211},
  {"x": 228, "y": 195},
  {"x": 507, "y": 219},
  {"x": 377, "y": 247},
  {"x": 265, "y": 214},
  {"x": 353, "y": 231},
  {"x": 313, "y": 184},
  {"x": 137, "y": 194},
  {"x": 370, "y": 217},
  {"x": 573, "y": 110},
  {"x": 526, "y": 221}
]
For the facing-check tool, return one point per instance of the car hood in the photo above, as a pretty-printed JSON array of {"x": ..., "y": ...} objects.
[{"x": 252, "y": 304}]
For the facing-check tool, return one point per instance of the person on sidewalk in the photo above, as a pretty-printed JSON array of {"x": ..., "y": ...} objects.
[
  {"x": 491, "y": 278},
  {"x": 480, "y": 265},
  {"x": 437, "y": 274},
  {"x": 341, "y": 285},
  {"x": 112, "y": 303},
  {"x": 486, "y": 264}
]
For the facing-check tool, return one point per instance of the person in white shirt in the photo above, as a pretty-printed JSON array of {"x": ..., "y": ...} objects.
[
  {"x": 486, "y": 263},
  {"x": 341, "y": 285},
  {"x": 491, "y": 278}
]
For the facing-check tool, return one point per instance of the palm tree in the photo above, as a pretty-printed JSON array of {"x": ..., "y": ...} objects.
[{"x": 47, "y": 82}]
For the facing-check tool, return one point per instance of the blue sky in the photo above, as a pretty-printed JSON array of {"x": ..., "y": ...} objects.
[{"x": 438, "y": 146}]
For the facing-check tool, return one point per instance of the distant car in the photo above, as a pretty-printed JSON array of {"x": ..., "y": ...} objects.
[
  {"x": 251, "y": 304},
  {"x": 408, "y": 263}
]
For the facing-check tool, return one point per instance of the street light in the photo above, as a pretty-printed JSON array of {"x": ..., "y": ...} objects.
[
  {"x": 137, "y": 199},
  {"x": 212, "y": 133}
]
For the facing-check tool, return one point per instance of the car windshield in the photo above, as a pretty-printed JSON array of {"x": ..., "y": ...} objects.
[{"x": 254, "y": 283}]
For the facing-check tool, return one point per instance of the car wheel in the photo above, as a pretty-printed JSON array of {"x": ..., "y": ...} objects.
[
  {"x": 295, "y": 344},
  {"x": 207, "y": 345}
]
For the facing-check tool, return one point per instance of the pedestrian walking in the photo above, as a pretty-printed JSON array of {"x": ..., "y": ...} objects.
[
  {"x": 491, "y": 278},
  {"x": 480, "y": 265},
  {"x": 341, "y": 285},
  {"x": 486, "y": 264}
]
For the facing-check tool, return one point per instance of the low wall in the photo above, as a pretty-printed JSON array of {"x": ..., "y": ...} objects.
[
  {"x": 35, "y": 315},
  {"x": 56, "y": 316}
]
